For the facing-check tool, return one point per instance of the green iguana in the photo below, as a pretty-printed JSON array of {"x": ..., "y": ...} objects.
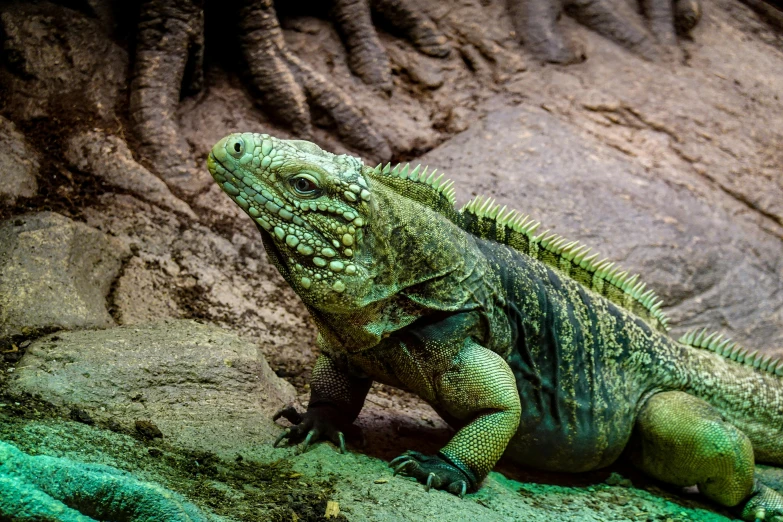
[{"x": 523, "y": 342}]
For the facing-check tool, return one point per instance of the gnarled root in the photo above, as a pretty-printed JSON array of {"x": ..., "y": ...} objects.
[
  {"x": 536, "y": 24},
  {"x": 170, "y": 43}
]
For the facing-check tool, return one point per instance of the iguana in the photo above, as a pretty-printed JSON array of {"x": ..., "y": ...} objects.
[{"x": 523, "y": 342}]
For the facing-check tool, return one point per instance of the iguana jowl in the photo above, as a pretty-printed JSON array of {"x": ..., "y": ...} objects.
[{"x": 521, "y": 341}]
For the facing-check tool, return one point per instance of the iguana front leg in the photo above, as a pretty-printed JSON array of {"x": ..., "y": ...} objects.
[
  {"x": 479, "y": 391},
  {"x": 336, "y": 398}
]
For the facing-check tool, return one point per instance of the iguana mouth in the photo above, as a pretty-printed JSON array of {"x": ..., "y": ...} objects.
[
  {"x": 212, "y": 161},
  {"x": 213, "y": 158}
]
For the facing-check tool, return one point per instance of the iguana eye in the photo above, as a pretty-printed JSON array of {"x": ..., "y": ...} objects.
[
  {"x": 305, "y": 186},
  {"x": 235, "y": 147}
]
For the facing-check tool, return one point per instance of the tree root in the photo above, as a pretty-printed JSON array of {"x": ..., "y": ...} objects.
[
  {"x": 169, "y": 60},
  {"x": 536, "y": 24},
  {"x": 50, "y": 488},
  {"x": 170, "y": 42},
  {"x": 262, "y": 46}
]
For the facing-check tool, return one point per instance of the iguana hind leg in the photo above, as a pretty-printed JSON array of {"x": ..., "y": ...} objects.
[{"x": 683, "y": 440}]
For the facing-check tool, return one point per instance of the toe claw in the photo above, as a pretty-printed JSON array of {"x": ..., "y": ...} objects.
[
  {"x": 289, "y": 413},
  {"x": 459, "y": 488},
  {"x": 397, "y": 460},
  {"x": 401, "y": 467},
  {"x": 430, "y": 478},
  {"x": 341, "y": 438},
  {"x": 282, "y": 436},
  {"x": 312, "y": 434}
]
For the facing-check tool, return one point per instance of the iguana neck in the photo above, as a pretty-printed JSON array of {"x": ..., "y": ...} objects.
[{"x": 416, "y": 262}]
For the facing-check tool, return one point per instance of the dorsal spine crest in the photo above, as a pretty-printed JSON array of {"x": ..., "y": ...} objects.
[
  {"x": 509, "y": 227},
  {"x": 491, "y": 221},
  {"x": 729, "y": 349},
  {"x": 433, "y": 180}
]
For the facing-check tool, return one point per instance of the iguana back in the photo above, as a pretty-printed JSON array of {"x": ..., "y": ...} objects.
[{"x": 484, "y": 218}]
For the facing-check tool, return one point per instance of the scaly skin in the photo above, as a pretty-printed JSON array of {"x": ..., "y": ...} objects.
[{"x": 522, "y": 342}]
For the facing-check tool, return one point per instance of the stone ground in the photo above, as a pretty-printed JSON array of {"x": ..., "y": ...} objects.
[{"x": 127, "y": 313}]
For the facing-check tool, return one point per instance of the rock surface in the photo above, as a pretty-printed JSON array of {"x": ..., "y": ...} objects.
[
  {"x": 61, "y": 61},
  {"x": 18, "y": 165},
  {"x": 286, "y": 483},
  {"x": 108, "y": 158},
  {"x": 55, "y": 274},
  {"x": 201, "y": 386},
  {"x": 182, "y": 268}
]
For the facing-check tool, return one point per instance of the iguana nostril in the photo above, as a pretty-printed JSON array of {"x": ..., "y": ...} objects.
[{"x": 236, "y": 146}]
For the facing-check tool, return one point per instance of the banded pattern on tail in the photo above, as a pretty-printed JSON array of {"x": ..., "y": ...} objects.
[
  {"x": 724, "y": 346},
  {"x": 484, "y": 218}
]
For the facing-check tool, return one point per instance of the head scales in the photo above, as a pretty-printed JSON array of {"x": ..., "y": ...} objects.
[{"x": 312, "y": 204}]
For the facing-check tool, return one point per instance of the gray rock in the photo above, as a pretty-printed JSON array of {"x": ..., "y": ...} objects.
[
  {"x": 109, "y": 158},
  {"x": 203, "y": 387},
  {"x": 18, "y": 165},
  {"x": 710, "y": 268},
  {"x": 55, "y": 274},
  {"x": 59, "y": 59},
  {"x": 183, "y": 269}
]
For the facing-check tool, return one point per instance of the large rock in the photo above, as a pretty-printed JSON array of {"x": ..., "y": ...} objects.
[
  {"x": 711, "y": 268},
  {"x": 19, "y": 164},
  {"x": 183, "y": 269},
  {"x": 203, "y": 387},
  {"x": 55, "y": 274}
]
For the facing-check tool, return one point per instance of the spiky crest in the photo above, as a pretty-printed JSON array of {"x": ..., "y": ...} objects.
[
  {"x": 486, "y": 219},
  {"x": 429, "y": 189},
  {"x": 725, "y": 347}
]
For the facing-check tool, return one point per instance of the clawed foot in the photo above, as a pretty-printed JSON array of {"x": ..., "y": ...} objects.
[
  {"x": 314, "y": 425},
  {"x": 433, "y": 471},
  {"x": 765, "y": 505}
]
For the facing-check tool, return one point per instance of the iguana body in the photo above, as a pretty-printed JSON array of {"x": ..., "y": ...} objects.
[{"x": 520, "y": 341}]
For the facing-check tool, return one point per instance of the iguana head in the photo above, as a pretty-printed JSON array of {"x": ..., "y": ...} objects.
[{"x": 312, "y": 205}]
